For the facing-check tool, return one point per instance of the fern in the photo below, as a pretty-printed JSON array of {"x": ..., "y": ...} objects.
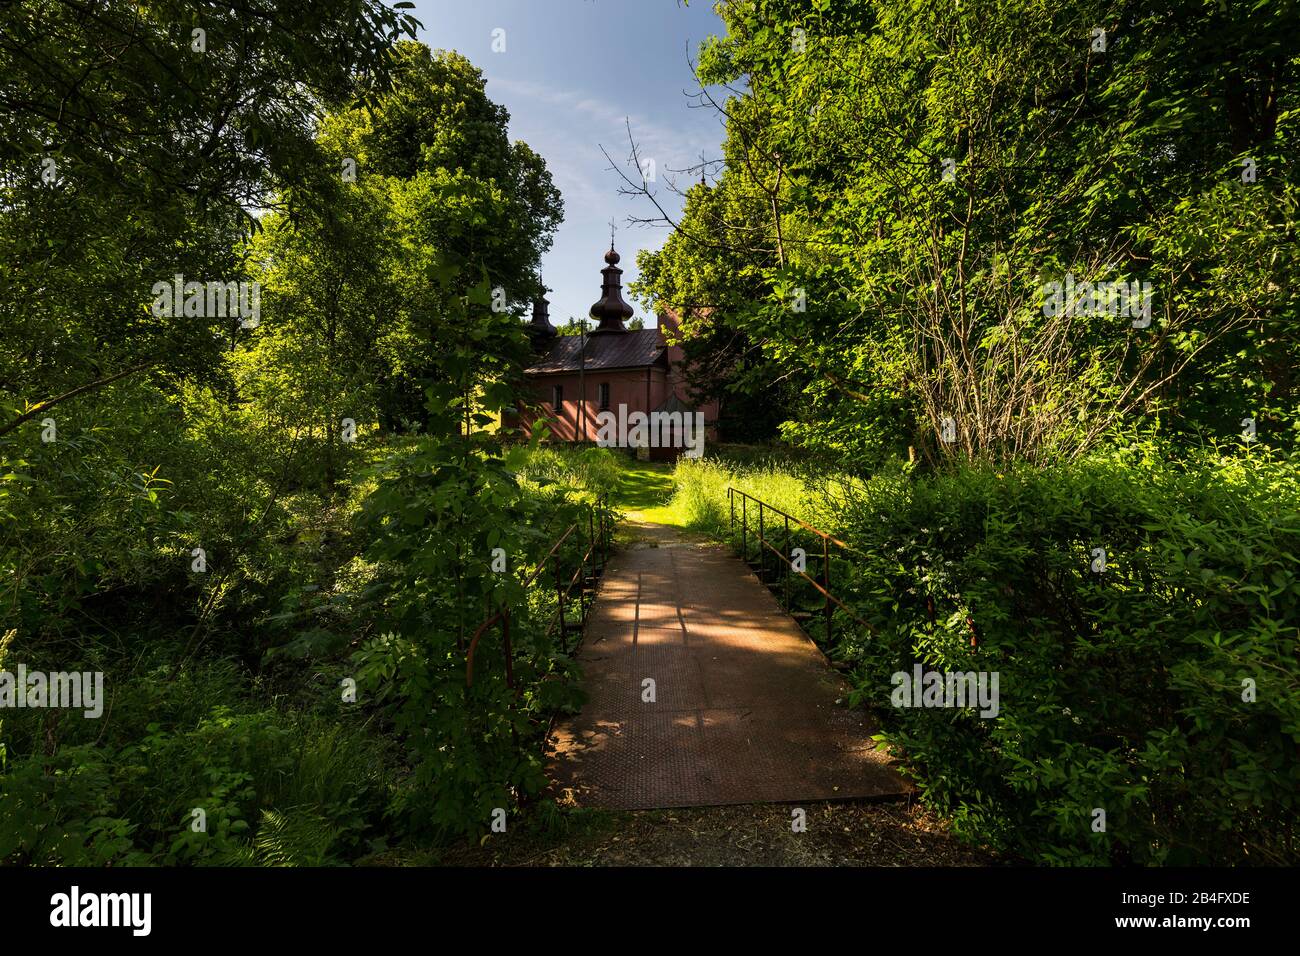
[{"x": 297, "y": 837}]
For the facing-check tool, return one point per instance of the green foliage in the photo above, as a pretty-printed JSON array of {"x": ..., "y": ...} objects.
[
  {"x": 329, "y": 559},
  {"x": 438, "y": 516},
  {"x": 174, "y": 433},
  {"x": 832, "y": 256},
  {"x": 593, "y": 471},
  {"x": 300, "y": 839},
  {"x": 127, "y": 797},
  {"x": 442, "y": 199},
  {"x": 700, "y": 490},
  {"x": 159, "y": 149},
  {"x": 574, "y": 327},
  {"x": 1122, "y": 689}
]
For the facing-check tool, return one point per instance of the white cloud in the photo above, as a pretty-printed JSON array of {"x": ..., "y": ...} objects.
[
  {"x": 669, "y": 147},
  {"x": 567, "y": 129}
]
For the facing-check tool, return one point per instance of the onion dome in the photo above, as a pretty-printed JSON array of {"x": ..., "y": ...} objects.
[
  {"x": 540, "y": 329},
  {"x": 610, "y": 311}
]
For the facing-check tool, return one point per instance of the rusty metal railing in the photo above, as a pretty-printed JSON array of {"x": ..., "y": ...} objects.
[
  {"x": 827, "y": 540},
  {"x": 764, "y": 545},
  {"x": 597, "y": 548}
]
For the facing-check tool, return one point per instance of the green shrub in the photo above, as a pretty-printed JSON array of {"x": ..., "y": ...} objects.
[
  {"x": 123, "y": 790},
  {"x": 1121, "y": 690},
  {"x": 435, "y": 521}
]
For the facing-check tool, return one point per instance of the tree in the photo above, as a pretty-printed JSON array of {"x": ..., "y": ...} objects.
[
  {"x": 901, "y": 183},
  {"x": 574, "y": 326},
  {"x": 134, "y": 143},
  {"x": 462, "y": 197}
]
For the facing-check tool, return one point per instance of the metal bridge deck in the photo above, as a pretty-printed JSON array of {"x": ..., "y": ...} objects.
[{"x": 744, "y": 707}]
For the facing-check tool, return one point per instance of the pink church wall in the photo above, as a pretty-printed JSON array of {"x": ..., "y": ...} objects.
[
  {"x": 642, "y": 389},
  {"x": 628, "y": 387}
]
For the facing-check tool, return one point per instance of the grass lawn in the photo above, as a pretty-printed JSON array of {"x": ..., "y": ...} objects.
[{"x": 643, "y": 491}]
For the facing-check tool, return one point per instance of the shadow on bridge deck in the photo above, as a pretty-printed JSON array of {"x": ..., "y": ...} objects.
[{"x": 744, "y": 706}]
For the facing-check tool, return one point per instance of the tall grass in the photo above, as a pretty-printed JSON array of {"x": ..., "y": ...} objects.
[
  {"x": 700, "y": 502},
  {"x": 593, "y": 470}
]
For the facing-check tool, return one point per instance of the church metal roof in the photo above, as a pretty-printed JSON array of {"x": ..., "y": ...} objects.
[
  {"x": 673, "y": 403},
  {"x": 632, "y": 349}
]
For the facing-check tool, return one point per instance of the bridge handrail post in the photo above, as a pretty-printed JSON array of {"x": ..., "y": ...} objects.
[
  {"x": 826, "y": 559},
  {"x": 744, "y": 527}
]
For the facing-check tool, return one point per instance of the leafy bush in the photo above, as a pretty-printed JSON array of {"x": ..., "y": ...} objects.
[
  {"x": 1125, "y": 690},
  {"x": 130, "y": 798},
  {"x": 435, "y": 520}
]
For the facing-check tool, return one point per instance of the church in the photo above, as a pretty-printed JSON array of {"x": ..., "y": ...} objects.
[{"x": 611, "y": 369}]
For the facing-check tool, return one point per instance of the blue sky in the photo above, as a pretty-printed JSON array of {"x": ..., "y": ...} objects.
[{"x": 572, "y": 71}]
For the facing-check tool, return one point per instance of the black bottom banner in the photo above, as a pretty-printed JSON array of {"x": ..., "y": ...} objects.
[{"x": 336, "y": 906}]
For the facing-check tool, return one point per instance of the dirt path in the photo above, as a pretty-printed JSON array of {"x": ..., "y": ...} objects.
[{"x": 837, "y": 834}]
